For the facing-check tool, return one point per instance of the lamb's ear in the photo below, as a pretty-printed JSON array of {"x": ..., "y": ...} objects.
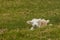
[
  {"x": 48, "y": 21},
  {"x": 29, "y": 22}
]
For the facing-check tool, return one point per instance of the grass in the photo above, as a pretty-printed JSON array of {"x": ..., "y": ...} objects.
[{"x": 15, "y": 13}]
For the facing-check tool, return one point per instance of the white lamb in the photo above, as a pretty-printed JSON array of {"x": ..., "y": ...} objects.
[{"x": 38, "y": 23}]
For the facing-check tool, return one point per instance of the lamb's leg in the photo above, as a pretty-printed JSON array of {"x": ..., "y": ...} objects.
[{"x": 32, "y": 28}]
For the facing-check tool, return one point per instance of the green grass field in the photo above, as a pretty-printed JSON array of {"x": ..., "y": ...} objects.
[{"x": 15, "y": 13}]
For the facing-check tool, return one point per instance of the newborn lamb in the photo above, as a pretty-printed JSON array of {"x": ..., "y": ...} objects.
[{"x": 38, "y": 23}]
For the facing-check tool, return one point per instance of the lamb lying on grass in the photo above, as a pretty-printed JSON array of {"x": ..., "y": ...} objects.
[{"x": 38, "y": 23}]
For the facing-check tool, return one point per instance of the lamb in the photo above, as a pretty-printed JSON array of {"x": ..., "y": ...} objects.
[{"x": 38, "y": 23}]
